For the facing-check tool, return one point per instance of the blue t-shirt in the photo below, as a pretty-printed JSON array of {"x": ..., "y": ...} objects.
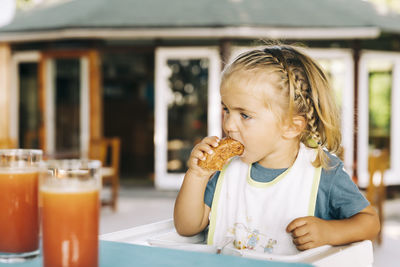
[{"x": 338, "y": 197}]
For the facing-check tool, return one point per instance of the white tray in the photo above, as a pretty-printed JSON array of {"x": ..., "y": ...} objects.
[{"x": 163, "y": 234}]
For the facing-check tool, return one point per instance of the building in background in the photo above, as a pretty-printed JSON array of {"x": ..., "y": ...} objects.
[{"x": 148, "y": 73}]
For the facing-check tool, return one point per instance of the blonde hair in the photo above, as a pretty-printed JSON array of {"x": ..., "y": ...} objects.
[{"x": 303, "y": 90}]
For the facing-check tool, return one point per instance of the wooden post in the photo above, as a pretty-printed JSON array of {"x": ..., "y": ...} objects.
[
  {"x": 96, "y": 96},
  {"x": 42, "y": 75},
  {"x": 5, "y": 74},
  {"x": 356, "y": 59},
  {"x": 225, "y": 52}
]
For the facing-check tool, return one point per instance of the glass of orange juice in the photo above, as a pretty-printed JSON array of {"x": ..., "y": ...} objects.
[
  {"x": 69, "y": 203},
  {"x": 19, "y": 222}
]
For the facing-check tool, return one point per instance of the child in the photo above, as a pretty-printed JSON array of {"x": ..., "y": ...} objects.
[{"x": 288, "y": 191}]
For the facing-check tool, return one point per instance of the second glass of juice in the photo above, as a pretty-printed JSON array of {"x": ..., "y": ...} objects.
[{"x": 69, "y": 202}]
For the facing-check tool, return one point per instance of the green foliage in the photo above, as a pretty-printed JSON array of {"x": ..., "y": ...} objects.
[
  {"x": 393, "y": 5},
  {"x": 23, "y": 4},
  {"x": 379, "y": 103}
]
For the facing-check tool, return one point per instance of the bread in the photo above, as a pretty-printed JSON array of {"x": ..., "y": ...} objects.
[{"x": 226, "y": 149}]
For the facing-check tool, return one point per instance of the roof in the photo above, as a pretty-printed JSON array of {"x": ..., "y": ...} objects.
[{"x": 225, "y": 17}]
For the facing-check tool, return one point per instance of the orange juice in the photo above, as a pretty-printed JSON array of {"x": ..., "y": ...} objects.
[
  {"x": 70, "y": 226},
  {"x": 19, "y": 223}
]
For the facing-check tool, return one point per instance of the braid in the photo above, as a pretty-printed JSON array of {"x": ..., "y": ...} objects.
[
  {"x": 313, "y": 129},
  {"x": 300, "y": 99},
  {"x": 278, "y": 58},
  {"x": 304, "y": 104}
]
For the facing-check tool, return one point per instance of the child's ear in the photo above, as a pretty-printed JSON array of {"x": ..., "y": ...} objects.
[{"x": 295, "y": 128}]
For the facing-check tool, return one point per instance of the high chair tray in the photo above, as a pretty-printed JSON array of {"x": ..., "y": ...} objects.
[
  {"x": 163, "y": 234},
  {"x": 118, "y": 254}
]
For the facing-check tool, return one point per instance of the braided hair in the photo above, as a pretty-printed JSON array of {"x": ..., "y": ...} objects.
[{"x": 305, "y": 92}]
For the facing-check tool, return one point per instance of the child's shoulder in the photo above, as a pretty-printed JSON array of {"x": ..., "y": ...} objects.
[
  {"x": 339, "y": 192},
  {"x": 335, "y": 163},
  {"x": 335, "y": 174}
]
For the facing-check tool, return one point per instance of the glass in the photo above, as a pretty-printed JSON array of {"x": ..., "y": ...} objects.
[
  {"x": 29, "y": 114},
  {"x": 380, "y": 90},
  {"x": 187, "y": 109},
  {"x": 67, "y": 104},
  {"x": 69, "y": 203},
  {"x": 19, "y": 222}
]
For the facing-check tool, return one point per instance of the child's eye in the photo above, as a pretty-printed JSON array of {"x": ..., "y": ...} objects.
[
  {"x": 244, "y": 116},
  {"x": 225, "y": 109}
]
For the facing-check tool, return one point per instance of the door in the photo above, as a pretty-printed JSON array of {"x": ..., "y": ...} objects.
[
  {"x": 188, "y": 108},
  {"x": 26, "y": 116},
  {"x": 70, "y": 102},
  {"x": 128, "y": 107},
  {"x": 379, "y": 113}
]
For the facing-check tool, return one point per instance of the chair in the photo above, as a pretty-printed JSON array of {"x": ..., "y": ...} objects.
[
  {"x": 107, "y": 150},
  {"x": 31, "y": 139},
  {"x": 7, "y": 143},
  {"x": 378, "y": 162}
]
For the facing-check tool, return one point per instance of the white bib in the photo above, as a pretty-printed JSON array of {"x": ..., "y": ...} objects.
[{"x": 255, "y": 215}]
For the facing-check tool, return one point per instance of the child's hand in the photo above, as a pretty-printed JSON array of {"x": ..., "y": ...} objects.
[
  {"x": 199, "y": 153},
  {"x": 309, "y": 232}
]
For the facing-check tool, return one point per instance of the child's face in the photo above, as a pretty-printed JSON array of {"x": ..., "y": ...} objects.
[{"x": 247, "y": 119}]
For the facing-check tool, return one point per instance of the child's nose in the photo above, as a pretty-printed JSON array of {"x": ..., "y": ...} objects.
[{"x": 229, "y": 123}]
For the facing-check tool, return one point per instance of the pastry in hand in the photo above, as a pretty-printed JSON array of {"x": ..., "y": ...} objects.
[{"x": 226, "y": 149}]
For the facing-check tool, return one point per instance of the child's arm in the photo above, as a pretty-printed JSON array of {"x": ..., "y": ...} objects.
[
  {"x": 190, "y": 212},
  {"x": 310, "y": 232}
]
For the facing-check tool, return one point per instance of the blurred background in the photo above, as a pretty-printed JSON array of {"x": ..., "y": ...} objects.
[{"x": 136, "y": 84}]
